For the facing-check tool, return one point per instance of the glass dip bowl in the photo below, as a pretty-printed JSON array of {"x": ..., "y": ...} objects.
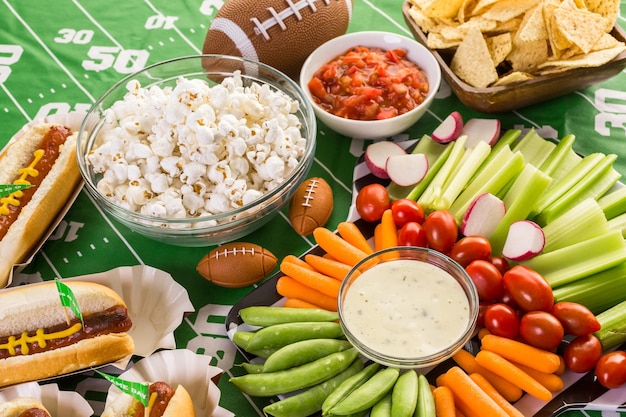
[{"x": 408, "y": 307}]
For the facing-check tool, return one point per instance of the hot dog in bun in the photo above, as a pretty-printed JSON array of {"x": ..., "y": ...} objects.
[
  {"x": 23, "y": 407},
  {"x": 165, "y": 401},
  {"x": 44, "y": 156},
  {"x": 38, "y": 342}
]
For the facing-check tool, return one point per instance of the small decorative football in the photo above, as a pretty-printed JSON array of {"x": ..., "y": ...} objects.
[
  {"x": 279, "y": 33},
  {"x": 237, "y": 264},
  {"x": 311, "y": 205}
]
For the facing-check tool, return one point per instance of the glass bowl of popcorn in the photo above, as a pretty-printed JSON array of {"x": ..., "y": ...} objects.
[{"x": 197, "y": 150}]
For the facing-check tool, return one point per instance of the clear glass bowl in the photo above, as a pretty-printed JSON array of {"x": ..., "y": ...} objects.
[
  {"x": 391, "y": 324},
  {"x": 213, "y": 229}
]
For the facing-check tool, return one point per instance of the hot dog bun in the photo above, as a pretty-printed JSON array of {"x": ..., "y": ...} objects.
[
  {"x": 180, "y": 405},
  {"x": 17, "y": 406},
  {"x": 50, "y": 197},
  {"x": 31, "y": 307}
]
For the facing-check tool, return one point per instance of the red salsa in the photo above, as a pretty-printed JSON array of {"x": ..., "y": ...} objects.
[{"x": 369, "y": 84}]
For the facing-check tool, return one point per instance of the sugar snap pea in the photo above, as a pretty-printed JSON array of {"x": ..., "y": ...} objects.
[
  {"x": 242, "y": 339},
  {"x": 404, "y": 394},
  {"x": 252, "y": 368},
  {"x": 279, "y": 335},
  {"x": 270, "y": 315},
  {"x": 368, "y": 393},
  {"x": 383, "y": 407},
  {"x": 348, "y": 386},
  {"x": 303, "y": 351},
  {"x": 310, "y": 401},
  {"x": 425, "y": 400},
  {"x": 268, "y": 384}
]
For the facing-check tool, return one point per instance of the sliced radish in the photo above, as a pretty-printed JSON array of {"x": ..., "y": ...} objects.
[
  {"x": 483, "y": 215},
  {"x": 376, "y": 156},
  {"x": 450, "y": 129},
  {"x": 524, "y": 240},
  {"x": 407, "y": 169},
  {"x": 477, "y": 130}
]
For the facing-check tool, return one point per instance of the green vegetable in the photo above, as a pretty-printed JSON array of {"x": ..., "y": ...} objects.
[
  {"x": 310, "y": 401},
  {"x": 303, "y": 351},
  {"x": 535, "y": 149},
  {"x": 348, "y": 386},
  {"x": 368, "y": 393},
  {"x": 383, "y": 407},
  {"x": 558, "y": 156},
  {"x": 279, "y": 335},
  {"x": 433, "y": 169},
  {"x": 269, "y": 384},
  {"x": 404, "y": 394},
  {"x": 613, "y": 203},
  {"x": 426, "y": 401},
  {"x": 270, "y": 315},
  {"x": 252, "y": 368},
  {"x": 243, "y": 338},
  {"x": 613, "y": 331}
]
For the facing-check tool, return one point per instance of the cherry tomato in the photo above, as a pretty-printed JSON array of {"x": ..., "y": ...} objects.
[
  {"x": 470, "y": 248},
  {"x": 500, "y": 262},
  {"x": 582, "y": 353},
  {"x": 482, "y": 307},
  {"x": 405, "y": 210},
  {"x": 502, "y": 320},
  {"x": 486, "y": 278},
  {"x": 371, "y": 201},
  {"x": 412, "y": 234},
  {"x": 528, "y": 288},
  {"x": 577, "y": 319},
  {"x": 611, "y": 369},
  {"x": 441, "y": 230},
  {"x": 541, "y": 329}
]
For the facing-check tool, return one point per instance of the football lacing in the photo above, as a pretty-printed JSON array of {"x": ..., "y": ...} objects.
[{"x": 278, "y": 18}]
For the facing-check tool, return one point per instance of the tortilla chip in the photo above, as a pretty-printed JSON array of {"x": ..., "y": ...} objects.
[
  {"x": 425, "y": 23},
  {"x": 533, "y": 26},
  {"x": 436, "y": 41},
  {"x": 513, "y": 78},
  {"x": 499, "y": 47},
  {"x": 609, "y": 9},
  {"x": 482, "y": 5},
  {"x": 448, "y": 8},
  {"x": 464, "y": 10},
  {"x": 527, "y": 56},
  {"x": 508, "y": 9},
  {"x": 592, "y": 59},
  {"x": 580, "y": 27},
  {"x": 472, "y": 61}
]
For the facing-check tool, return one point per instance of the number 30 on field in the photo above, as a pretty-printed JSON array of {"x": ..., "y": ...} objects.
[{"x": 124, "y": 61}]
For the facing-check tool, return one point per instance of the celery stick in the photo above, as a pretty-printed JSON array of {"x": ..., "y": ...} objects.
[
  {"x": 433, "y": 169},
  {"x": 576, "y": 261},
  {"x": 427, "y": 146},
  {"x": 613, "y": 330},
  {"x": 560, "y": 187},
  {"x": 505, "y": 141},
  {"x": 598, "y": 291},
  {"x": 618, "y": 223},
  {"x": 567, "y": 165},
  {"x": 435, "y": 189},
  {"x": 613, "y": 203},
  {"x": 534, "y": 148},
  {"x": 471, "y": 161},
  {"x": 566, "y": 229},
  {"x": 522, "y": 195},
  {"x": 558, "y": 155},
  {"x": 494, "y": 176}
]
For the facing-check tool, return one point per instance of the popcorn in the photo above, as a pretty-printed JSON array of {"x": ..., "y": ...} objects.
[{"x": 194, "y": 150}]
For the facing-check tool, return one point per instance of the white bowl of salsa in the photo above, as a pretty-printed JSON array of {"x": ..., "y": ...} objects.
[
  {"x": 370, "y": 84},
  {"x": 408, "y": 307}
]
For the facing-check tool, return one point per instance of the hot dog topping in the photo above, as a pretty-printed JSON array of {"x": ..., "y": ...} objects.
[
  {"x": 160, "y": 395},
  {"x": 40, "y": 164},
  {"x": 112, "y": 320},
  {"x": 34, "y": 412}
]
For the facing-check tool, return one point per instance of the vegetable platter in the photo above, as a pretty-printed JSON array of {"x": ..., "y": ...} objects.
[{"x": 582, "y": 395}]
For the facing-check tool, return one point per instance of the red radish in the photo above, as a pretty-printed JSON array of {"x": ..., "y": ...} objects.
[
  {"x": 483, "y": 215},
  {"x": 407, "y": 169},
  {"x": 376, "y": 156},
  {"x": 524, "y": 240},
  {"x": 477, "y": 130},
  {"x": 449, "y": 129}
]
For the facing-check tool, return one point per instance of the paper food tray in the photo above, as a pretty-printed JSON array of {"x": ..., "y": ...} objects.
[{"x": 58, "y": 403}]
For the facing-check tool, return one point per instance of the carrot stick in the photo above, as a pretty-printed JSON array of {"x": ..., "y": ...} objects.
[
  {"x": 377, "y": 237},
  {"x": 459, "y": 413},
  {"x": 298, "y": 261},
  {"x": 468, "y": 396},
  {"x": 290, "y": 288},
  {"x": 444, "y": 402},
  {"x": 388, "y": 230},
  {"x": 468, "y": 363},
  {"x": 338, "y": 247},
  {"x": 297, "y": 303},
  {"x": 482, "y": 333},
  {"x": 316, "y": 280},
  {"x": 562, "y": 366},
  {"x": 519, "y": 352},
  {"x": 351, "y": 233},
  {"x": 331, "y": 267},
  {"x": 501, "y": 366},
  {"x": 495, "y": 395},
  {"x": 552, "y": 382}
]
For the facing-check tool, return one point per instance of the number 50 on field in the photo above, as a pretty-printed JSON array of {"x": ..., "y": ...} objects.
[{"x": 124, "y": 61}]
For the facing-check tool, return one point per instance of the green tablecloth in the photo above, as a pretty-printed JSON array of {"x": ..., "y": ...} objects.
[{"x": 60, "y": 56}]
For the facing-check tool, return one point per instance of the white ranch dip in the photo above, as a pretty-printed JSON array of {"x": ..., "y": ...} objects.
[{"x": 406, "y": 308}]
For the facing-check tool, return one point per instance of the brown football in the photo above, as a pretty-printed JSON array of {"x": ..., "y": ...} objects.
[
  {"x": 311, "y": 205},
  {"x": 279, "y": 33},
  {"x": 236, "y": 264}
]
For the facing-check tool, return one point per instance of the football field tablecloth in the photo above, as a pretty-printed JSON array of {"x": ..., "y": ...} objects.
[{"x": 60, "y": 56}]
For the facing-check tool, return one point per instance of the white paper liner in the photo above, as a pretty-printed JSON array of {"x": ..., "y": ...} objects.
[
  {"x": 59, "y": 403},
  {"x": 73, "y": 120},
  {"x": 179, "y": 367}
]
